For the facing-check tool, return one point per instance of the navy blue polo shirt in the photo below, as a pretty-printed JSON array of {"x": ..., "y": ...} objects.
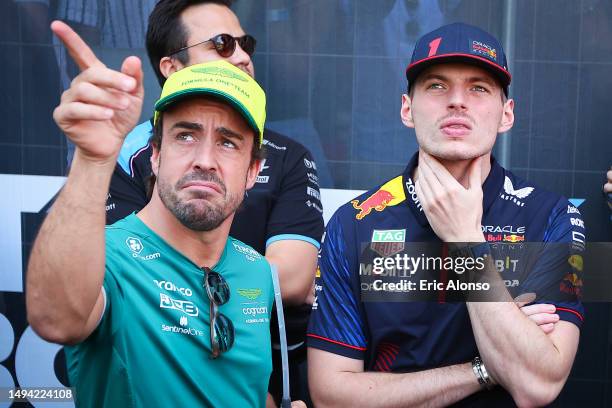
[{"x": 416, "y": 336}]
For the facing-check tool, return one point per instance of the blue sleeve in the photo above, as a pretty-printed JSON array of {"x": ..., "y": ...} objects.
[
  {"x": 336, "y": 323},
  {"x": 129, "y": 183},
  {"x": 557, "y": 275},
  {"x": 297, "y": 213},
  {"x": 135, "y": 142}
]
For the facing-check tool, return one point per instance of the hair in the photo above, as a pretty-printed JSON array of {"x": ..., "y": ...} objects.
[
  {"x": 258, "y": 151},
  {"x": 166, "y": 32}
]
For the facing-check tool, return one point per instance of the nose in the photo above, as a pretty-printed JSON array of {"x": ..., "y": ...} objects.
[
  {"x": 204, "y": 156},
  {"x": 457, "y": 99},
  {"x": 241, "y": 60}
]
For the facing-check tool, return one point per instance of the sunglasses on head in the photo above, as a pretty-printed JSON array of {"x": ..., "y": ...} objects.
[
  {"x": 221, "y": 327},
  {"x": 225, "y": 44}
]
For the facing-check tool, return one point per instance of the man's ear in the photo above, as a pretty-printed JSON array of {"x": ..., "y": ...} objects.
[
  {"x": 507, "y": 120},
  {"x": 155, "y": 160},
  {"x": 169, "y": 66},
  {"x": 406, "y": 111},
  {"x": 252, "y": 173}
]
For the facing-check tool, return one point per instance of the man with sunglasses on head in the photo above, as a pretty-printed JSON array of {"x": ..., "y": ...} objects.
[
  {"x": 162, "y": 308},
  {"x": 418, "y": 342},
  {"x": 281, "y": 216}
]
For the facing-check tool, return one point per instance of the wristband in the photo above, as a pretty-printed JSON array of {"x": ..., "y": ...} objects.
[{"x": 481, "y": 373}]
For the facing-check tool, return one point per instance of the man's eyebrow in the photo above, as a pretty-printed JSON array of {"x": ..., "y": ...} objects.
[
  {"x": 187, "y": 125},
  {"x": 229, "y": 133},
  {"x": 485, "y": 79},
  {"x": 440, "y": 77},
  {"x": 476, "y": 78}
]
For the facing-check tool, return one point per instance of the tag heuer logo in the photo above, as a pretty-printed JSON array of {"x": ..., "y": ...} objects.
[
  {"x": 251, "y": 294},
  {"x": 388, "y": 242},
  {"x": 134, "y": 244},
  {"x": 389, "y": 235}
]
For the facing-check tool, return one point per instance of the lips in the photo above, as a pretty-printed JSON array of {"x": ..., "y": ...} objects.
[
  {"x": 202, "y": 186},
  {"x": 455, "y": 127}
]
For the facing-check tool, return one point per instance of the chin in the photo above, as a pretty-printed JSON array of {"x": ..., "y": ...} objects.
[{"x": 455, "y": 154}]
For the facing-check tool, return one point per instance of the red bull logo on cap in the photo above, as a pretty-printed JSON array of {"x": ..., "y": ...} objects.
[{"x": 485, "y": 49}]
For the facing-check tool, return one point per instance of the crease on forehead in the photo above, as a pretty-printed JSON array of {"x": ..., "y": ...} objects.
[
  {"x": 218, "y": 20},
  {"x": 235, "y": 125}
]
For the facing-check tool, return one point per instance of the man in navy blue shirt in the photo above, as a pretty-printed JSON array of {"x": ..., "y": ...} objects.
[{"x": 439, "y": 353}]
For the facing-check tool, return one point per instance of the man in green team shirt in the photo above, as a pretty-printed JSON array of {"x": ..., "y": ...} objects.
[{"x": 161, "y": 308}]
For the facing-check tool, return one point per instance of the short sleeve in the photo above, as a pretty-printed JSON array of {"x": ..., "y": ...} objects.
[
  {"x": 556, "y": 277},
  {"x": 112, "y": 317},
  {"x": 336, "y": 323},
  {"x": 297, "y": 212}
]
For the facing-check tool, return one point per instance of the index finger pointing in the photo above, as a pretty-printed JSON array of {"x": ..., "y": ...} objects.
[{"x": 77, "y": 48}]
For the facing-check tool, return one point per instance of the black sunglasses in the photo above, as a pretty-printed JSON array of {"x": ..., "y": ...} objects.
[
  {"x": 221, "y": 327},
  {"x": 225, "y": 44}
]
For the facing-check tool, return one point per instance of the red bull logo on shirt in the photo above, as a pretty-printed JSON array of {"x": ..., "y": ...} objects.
[
  {"x": 513, "y": 238},
  {"x": 391, "y": 193},
  {"x": 571, "y": 284},
  {"x": 377, "y": 201}
]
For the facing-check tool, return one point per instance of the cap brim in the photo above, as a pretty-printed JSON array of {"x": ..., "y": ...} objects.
[
  {"x": 175, "y": 97},
  {"x": 416, "y": 68}
]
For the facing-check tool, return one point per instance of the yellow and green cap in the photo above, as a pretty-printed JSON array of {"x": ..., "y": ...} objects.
[{"x": 221, "y": 80}]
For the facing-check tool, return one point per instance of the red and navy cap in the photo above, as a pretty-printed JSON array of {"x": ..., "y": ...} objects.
[{"x": 459, "y": 42}]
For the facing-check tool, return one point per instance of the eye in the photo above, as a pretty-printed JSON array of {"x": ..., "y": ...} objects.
[
  {"x": 228, "y": 143},
  {"x": 185, "y": 137},
  {"x": 435, "y": 85},
  {"x": 480, "y": 88}
]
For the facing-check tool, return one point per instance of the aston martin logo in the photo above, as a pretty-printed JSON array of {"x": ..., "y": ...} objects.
[
  {"x": 251, "y": 294},
  {"x": 224, "y": 72}
]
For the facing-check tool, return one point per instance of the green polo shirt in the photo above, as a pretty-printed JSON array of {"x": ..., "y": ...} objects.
[{"x": 152, "y": 345}]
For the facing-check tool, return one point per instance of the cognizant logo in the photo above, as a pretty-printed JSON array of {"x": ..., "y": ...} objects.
[{"x": 253, "y": 311}]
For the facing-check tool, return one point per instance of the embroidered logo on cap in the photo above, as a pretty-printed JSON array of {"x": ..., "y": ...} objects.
[{"x": 484, "y": 49}]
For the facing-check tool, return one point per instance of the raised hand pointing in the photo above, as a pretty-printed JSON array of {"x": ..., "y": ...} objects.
[{"x": 102, "y": 105}]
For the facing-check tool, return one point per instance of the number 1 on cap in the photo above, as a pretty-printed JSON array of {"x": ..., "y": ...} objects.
[{"x": 433, "y": 46}]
